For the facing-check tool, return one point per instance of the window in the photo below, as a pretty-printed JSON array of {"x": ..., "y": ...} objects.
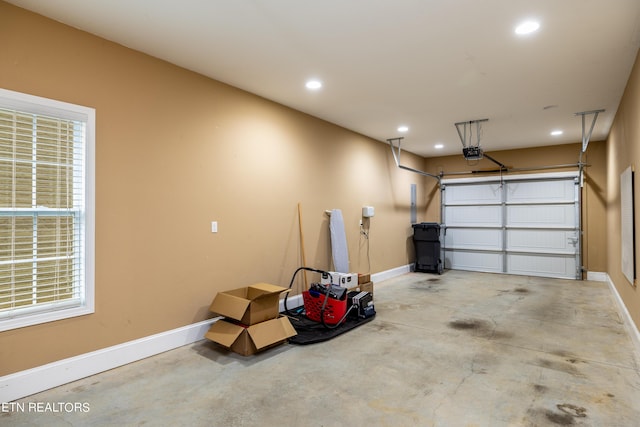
[{"x": 46, "y": 210}]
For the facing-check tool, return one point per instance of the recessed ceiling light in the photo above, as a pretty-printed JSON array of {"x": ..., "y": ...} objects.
[
  {"x": 403, "y": 128},
  {"x": 527, "y": 27},
  {"x": 313, "y": 84},
  {"x": 556, "y": 132},
  {"x": 438, "y": 146}
]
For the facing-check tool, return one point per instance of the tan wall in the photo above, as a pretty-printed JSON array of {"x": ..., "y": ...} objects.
[
  {"x": 175, "y": 151},
  {"x": 623, "y": 150},
  {"x": 593, "y": 193}
]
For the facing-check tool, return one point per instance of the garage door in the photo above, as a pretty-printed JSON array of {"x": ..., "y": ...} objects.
[{"x": 525, "y": 224}]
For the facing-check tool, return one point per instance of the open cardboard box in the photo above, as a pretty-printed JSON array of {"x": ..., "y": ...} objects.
[
  {"x": 249, "y": 305},
  {"x": 247, "y": 340}
]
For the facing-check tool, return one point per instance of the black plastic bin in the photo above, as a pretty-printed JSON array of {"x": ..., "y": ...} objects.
[{"x": 426, "y": 240}]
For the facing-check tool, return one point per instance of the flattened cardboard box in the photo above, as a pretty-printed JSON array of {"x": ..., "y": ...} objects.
[
  {"x": 366, "y": 287},
  {"x": 249, "y": 305},
  {"x": 247, "y": 340}
]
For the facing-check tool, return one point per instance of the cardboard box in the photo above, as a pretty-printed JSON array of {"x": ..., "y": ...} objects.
[
  {"x": 364, "y": 278},
  {"x": 247, "y": 340},
  {"x": 325, "y": 279},
  {"x": 249, "y": 305},
  {"x": 346, "y": 280},
  {"x": 366, "y": 287}
]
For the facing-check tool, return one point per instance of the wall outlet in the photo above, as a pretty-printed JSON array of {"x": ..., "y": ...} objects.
[
  {"x": 214, "y": 226},
  {"x": 368, "y": 211}
]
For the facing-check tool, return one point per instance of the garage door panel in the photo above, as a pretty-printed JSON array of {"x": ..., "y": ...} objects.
[
  {"x": 474, "y": 261},
  {"x": 558, "y": 191},
  {"x": 521, "y": 224},
  {"x": 542, "y": 265},
  {"x": 487, "y": 216},
  {"x": 470, "y": 238},
  {"x": 550, "y": 241},
  {"x": 541, "y": 216},
  {"x": 476, "y": 194}
]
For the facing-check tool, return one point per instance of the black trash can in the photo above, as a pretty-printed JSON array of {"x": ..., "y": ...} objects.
[{"x": 426, "y": 240}]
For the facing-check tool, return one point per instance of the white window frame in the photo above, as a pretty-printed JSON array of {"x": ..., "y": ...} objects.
[{"x": 43, "y": 313}]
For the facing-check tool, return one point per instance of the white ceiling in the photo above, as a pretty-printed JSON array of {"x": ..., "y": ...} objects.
[{"x": 426, "y": 64}]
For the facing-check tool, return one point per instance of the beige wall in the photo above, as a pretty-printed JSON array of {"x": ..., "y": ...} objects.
[
  {"x": 593, "y": 192},
  {"x": 623, "y": 150},
  {"x": 175, "y": 151}
]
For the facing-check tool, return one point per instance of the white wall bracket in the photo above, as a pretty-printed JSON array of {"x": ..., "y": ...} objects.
[
  {"x": 586, "y": 136},
  {"x": 396, "y": 156}
]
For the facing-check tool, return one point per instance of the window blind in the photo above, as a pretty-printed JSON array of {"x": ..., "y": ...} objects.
[{"x": 42, "y": 199}]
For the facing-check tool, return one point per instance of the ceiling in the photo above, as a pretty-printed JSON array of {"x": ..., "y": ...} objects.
[{"x": 426, "y": 64}]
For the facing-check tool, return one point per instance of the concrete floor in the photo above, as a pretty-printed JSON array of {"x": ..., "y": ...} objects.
[{"x": 461, "y": 349}]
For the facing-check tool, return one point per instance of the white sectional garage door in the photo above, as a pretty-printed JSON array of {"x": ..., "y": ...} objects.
[{"x": 526, "y": 224}]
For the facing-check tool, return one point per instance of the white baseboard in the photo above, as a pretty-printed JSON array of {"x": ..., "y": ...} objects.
[
  {"x": 31, "y": 381},
  {"x": 292, "y": 302},
  {"x": 388, "y": 274},
  {"x": 629, "y": 324},
  {"x": 597, "y": 276}
]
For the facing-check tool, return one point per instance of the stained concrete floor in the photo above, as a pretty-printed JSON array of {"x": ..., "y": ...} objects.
[{"x": 460, "y": 349}]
